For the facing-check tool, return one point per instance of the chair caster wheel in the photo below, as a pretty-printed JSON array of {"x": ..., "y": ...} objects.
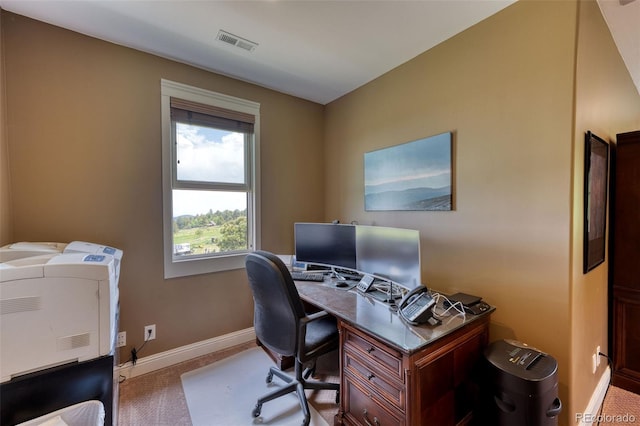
[
  {"x": 269, "y": 378},
  {"x": 256, "y": 411}
]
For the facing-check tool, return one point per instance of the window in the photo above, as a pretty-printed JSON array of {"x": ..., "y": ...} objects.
[{"x": 209, "y": 174}]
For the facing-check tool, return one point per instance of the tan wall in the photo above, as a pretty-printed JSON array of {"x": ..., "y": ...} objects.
[
  {"x": 85, "y": 149},
  {"x": 505, "y": 88},
  {"x": 607, "y": 103},
  {"x": 6, "y": 228}
]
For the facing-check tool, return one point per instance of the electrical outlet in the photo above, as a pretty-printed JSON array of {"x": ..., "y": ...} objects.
[
  {"x": 598, "y": 356},
  {"x": 594, "y": 363},
  {"x": 122, "y": 339},
  {"x": 149, "y": 332}
]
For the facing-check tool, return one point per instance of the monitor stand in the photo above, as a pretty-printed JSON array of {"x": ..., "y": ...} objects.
[
  {"x": 386, "y": 296},
  {"x": 336, "y": 275}
]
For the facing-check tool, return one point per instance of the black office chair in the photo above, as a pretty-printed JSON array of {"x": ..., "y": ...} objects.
[{"x": 282, "y": 325}]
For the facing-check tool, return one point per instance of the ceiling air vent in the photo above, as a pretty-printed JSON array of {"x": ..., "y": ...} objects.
[{"x": 236, "y": 41}]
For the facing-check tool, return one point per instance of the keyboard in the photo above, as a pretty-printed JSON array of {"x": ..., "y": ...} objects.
[{"x": 305, "y": 276}]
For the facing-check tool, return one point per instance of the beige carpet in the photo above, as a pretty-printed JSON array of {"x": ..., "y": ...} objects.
[
  {"x": 157, "y": 398},
  {"x": 619, "y": 407}
]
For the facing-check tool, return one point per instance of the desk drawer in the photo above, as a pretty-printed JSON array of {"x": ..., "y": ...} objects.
[
  {"x": 375, "y": 355},
  {"x": 364, "y": 407},
  {"x": 389, "y": 389}
]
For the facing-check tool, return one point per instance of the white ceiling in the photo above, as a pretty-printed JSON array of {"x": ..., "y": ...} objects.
[
  {"x": 623, "y": 19},
  {"x": 317, "y": 50}
]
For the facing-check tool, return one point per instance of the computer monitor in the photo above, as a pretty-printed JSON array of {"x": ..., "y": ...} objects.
[
  {"x": 391, "y": 254},
  {"x": 326, "y": 244}
]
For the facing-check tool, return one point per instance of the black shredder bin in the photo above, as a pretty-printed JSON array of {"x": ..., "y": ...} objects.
[{"x": 524, "y": 385}]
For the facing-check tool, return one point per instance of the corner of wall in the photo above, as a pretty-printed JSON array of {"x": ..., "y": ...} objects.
[{"x": 6, "y": 223}]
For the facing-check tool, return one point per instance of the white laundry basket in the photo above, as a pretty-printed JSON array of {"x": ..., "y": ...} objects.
[{"x": 88, "y": 413}]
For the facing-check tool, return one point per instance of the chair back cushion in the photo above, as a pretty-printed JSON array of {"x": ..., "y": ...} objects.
[{"x": 277, "y": 304}]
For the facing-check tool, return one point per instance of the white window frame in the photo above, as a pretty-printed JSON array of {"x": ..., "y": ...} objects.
[{"x": 215, "y": 263}]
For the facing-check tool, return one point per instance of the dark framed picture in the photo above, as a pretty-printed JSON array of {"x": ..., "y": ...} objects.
[
  {"x": 411, "y": 176},
  {"x": 596, "y": 181}
]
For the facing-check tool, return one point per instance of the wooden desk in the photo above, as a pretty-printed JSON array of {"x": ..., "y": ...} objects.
[{"x": 392, "y": 373}]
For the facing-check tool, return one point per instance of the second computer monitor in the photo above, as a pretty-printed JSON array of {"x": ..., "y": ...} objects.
[{"x": 389, "y": 253}]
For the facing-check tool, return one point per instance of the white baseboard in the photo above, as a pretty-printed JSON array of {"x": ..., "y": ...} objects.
[
  {"x": 589, "y": 415},
  {"x": 185, "y": 353}
]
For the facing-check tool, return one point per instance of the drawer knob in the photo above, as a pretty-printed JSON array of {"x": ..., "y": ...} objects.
[
  {"x": 370, "y": 376},
  {"x": 371, "y": 349},
  {"x": 376, "y": 422}
]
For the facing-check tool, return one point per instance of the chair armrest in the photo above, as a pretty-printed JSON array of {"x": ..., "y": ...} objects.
[
  {"x": 313, "y": 317},
  {"x": 306, "y": 320},
  {"x": 302, "y": 333}
]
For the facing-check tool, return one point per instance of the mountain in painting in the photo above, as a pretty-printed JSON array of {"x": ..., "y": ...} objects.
[{"x": 408, "y": 199}]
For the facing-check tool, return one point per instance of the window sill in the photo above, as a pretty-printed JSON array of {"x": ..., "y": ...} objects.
[{"x": 197, "y": 266}]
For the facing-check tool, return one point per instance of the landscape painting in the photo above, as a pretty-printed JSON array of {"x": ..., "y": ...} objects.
[{"x": 411, "y": 176}]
